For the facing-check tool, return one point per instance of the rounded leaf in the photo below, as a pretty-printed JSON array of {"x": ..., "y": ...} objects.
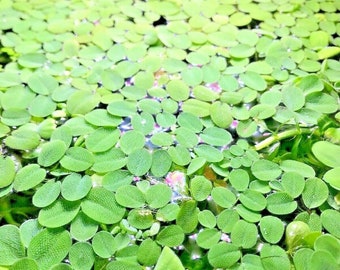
[
  {"x": 265, "y": 170},
  {"x": 74, "y": 187},
  {"x": 49, "y": 247},
  {"x": 28, "y": 177},
  {"x": 77, "y": 159},
  {"x": 208, "y": 238},
  {"x": 81, "y": 255},
  {"x": 170, "y": 236},
  {"x": 223, "y": 255},
  {"x": 139, "y": 162},
  {"x": 46, "y": 194},
  {"x": 102, "y": 139},
  {"x": 330, "y": 221},
  {"x": 51, "y": 152},
  {"x": 82, "y": 227},
  {"x": 11, "y": 247},
  {"x": 315, "y": 193},
  {"x": 200, "y": 188},
  {"x": 100, "y": 205},
  {"x": 223, "y": 197},
  {"x": 58, "y": 214},
  {"x": 103, "y": 244},
  {"x": 140, "y": 218},
  {"x": 272, "y": 229},
  {"x": 158, "y": 195},
  {"x": 332, "y": 178},
  {"x": 7, "y": 171},
  {"x": 130, "y": 196},
  {"x": 148, "y": 252},
  {"x": 325, "y": 152},
  {"x": 244, "y": 234},
  {"x": 281, "y": 203}
]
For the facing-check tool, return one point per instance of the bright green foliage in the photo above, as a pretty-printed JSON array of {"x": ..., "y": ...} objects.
[
  {"x": 28, "y": 177},
  {"x": 10, "y": 245},
  {"x": 100, "y": 205},
  {"x": 169, "y": 134},
  {"x": 7, "y": 171},
  {"x": 49, "y": 247}
]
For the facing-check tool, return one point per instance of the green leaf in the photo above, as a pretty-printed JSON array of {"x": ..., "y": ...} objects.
[
  {"x": 187, "y": 217},
  {"x": 8, "y": 79},
  {"x": 100, "y": 205},
  {"x": 196, "y": 107},
  {"x": 253, "y": 80},
  {"x": 329, "y": 244},
  {"x": 220, "y": 114},
  {"x": 51, "y": 152},
  {"x": 208, "y": 152},
  {"x": 186, "y": 137},
  {"x": 139, "y": 162},
  {"x": 293, "y": 98},
  {"x": 265, "y": 170},
  {"x": 46, "y": 194},
  {"x": 100, "y": 117},
  {"x": 113, "y": 180},
  {"x": 77, "y": 159},
  {"x": 23, "y": 139},
  {"x": 123, "y": 265},
  {"x": 25, "y": 263},
  {"x": 112, "y": 80},
  {"x": 140, "y": 218},
  {"x": 7, "y": 171},
  {"x": 293, "y": 183},
  {"x": 58, "y": 214},
  {"x": 74, "y": 187},
  {"x": 122, "y": 108},
  {"x": 131, "y": 140},
  {"x": 82, "y": 227},
  {"x": 253, "y": 200},
  {"x": 321, "y": 259},
  {"x": 168, "y": 260},
  {"x": 208, "y": 238},
  {"x": 280, "y": 203},
  {"x": 325, "y": 152},
  {"x": 244, "y": 234},
  {"x": 200, "y": 188},
  {"x": 330, "y": 221},
  {"x": 315, "y": 193},
  {"x": 239, "y": 179},
  {"x": 223, "y": 255},
  {"x": 42, "y": 106},
  {"x": 161, "y": 163},
  {"x": 332, "y": 177},
  {"x": 216, "y": 136},
  {"x": 110, "y": 160},
  {"x": 11, "y": 247},
  {"x": 328, "y": 52},
  {"x": 102, "y": 139},
  {"x": 227, "y": 219},
  {"x": 49, "y": 247},
  {"x": 28, "y": 230},
  {"x": 223, "y": 197},
  {"x": 207, "y": 219},
  {"x": 81, "y": 255},
  {"x": 15, "y": 117},
  {"x": 179, "y": 155},
  {"x": 190, "y": 121},
  {"x": 274, "y": 257},
  {"x": 297, "y": 167},
  {"x": 196, "y": 164},
  {"x": 148, "y": 252},
  {"x": 103, "y": 244},
  {"x": 170, "y": 236},
  {"x": 130, "y": 196},
  {"x": 302, "y": 258},
  {"x": 32, "y": 60},
  {"x": 158, "y": 195},
  {"x": 28, "y": 177},
  {"x": 272, "y": 229},
  {"x": 177, "y": 90},
  {"x": 82, "y": 102}
]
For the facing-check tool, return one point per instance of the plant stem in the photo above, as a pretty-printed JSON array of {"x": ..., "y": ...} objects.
[{"x": 281, "y": 136}]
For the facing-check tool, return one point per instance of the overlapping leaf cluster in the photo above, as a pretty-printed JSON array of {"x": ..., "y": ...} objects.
[{"x": 169, "y": 134}]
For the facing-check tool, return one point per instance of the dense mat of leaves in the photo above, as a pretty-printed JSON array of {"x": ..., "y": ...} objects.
[{"x": 169, "y": 134}]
